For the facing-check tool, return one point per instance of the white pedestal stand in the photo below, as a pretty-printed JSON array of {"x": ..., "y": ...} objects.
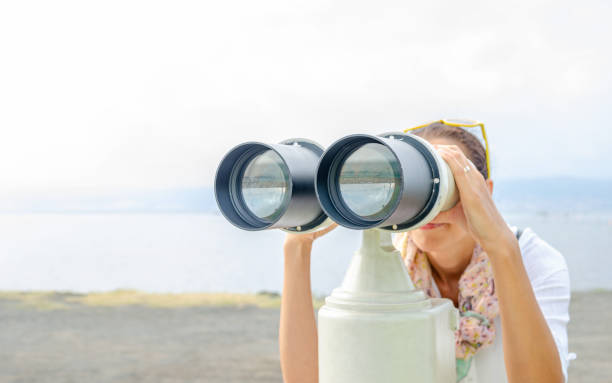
[{"x": 376, "y": 328}]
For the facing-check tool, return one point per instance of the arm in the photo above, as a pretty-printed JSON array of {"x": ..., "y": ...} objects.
[
  {"x": 298, "y": 331},
  {"x": 530, "y": 351}
]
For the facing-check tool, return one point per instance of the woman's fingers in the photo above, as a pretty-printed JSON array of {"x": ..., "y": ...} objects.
[
  {"x": 456, "y": 160},
  {"x": 455, "y": 156},
  {"x": 307, "y": 238},
  {"x": 319, "y": 233}
]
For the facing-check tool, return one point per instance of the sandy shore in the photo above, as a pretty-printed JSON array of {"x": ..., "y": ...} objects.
[{"x": 229, "y": 338}]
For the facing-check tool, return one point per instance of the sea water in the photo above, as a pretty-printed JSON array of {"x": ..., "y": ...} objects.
[{"x": 203, "y": 252}]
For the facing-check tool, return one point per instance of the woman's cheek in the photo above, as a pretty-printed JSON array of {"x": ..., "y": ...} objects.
[{"x": 456, "y": 216}]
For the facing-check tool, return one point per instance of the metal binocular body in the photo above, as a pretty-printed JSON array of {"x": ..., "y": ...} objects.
[{"x": 393, "y": 181}]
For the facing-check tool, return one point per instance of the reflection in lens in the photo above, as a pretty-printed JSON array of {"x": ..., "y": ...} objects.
[
  {"x": 370, "y": 181},
  {"x": 265, "y": 185}
]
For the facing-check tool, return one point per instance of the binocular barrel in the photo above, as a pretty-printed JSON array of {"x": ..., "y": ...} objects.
[
  {"x": 391, "y": 181},
  {"x": 394, "y": 181},
  {"x": 260, "y": 186}
]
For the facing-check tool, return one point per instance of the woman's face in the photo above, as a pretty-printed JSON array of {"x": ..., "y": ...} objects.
[{"x": 447, "y": 229}]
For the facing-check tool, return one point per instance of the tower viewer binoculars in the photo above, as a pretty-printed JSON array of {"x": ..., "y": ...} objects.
[{"x": 393, "y": 181}]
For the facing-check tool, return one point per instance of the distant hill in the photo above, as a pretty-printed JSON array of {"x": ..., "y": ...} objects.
[
  {"x": 559, "y": 194},
  {"x": 183, "y": 200},
  {"x": 542, "y": 195}
]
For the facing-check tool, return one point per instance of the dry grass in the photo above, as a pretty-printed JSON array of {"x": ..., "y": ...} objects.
[
  {"x": 168, "y": 300},
  {"x": 41, "y": 300},
  {"x": 44, "y": 300}
]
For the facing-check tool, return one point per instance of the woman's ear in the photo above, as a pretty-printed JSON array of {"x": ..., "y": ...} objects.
[{"x": 489, "y": 183}]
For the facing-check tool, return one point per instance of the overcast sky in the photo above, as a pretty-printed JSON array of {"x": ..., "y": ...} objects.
[{"x": 139, "y": 94}]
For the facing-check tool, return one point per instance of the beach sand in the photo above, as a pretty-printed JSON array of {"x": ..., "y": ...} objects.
[{"x": 229, "y": 338}]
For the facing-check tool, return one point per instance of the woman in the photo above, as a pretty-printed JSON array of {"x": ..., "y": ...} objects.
[{"x": 522, "y": 295}]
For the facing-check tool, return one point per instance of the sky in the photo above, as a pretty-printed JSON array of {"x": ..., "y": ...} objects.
[{"x": 146, "y": 94}]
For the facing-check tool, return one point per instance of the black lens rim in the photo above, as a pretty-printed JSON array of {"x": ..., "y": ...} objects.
[
  {"x": 230, "y": 199},
  {"x": 328, "y": 187},
  {"x": 228, "y": 190},
  {"x": 333, "y": 186}
]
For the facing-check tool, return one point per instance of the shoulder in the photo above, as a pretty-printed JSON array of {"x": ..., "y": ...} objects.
[{"x": 541, "y": 260}]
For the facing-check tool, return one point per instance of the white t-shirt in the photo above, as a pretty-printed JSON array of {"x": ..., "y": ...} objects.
[{"x": 549, "y": 279}]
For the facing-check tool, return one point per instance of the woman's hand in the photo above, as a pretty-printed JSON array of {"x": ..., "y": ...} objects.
[
  {"x": 293, "y": 240},
  {"x": 484, "y": 222}
]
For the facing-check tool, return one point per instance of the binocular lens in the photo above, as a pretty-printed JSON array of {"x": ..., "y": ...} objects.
[
  {"x": 265, "y": 186},
  {"x": 262, "y": 186},
  {"x": 369, "y": 181}
]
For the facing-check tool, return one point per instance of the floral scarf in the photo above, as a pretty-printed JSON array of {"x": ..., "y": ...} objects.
[{"x": 477, "y": 300}]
